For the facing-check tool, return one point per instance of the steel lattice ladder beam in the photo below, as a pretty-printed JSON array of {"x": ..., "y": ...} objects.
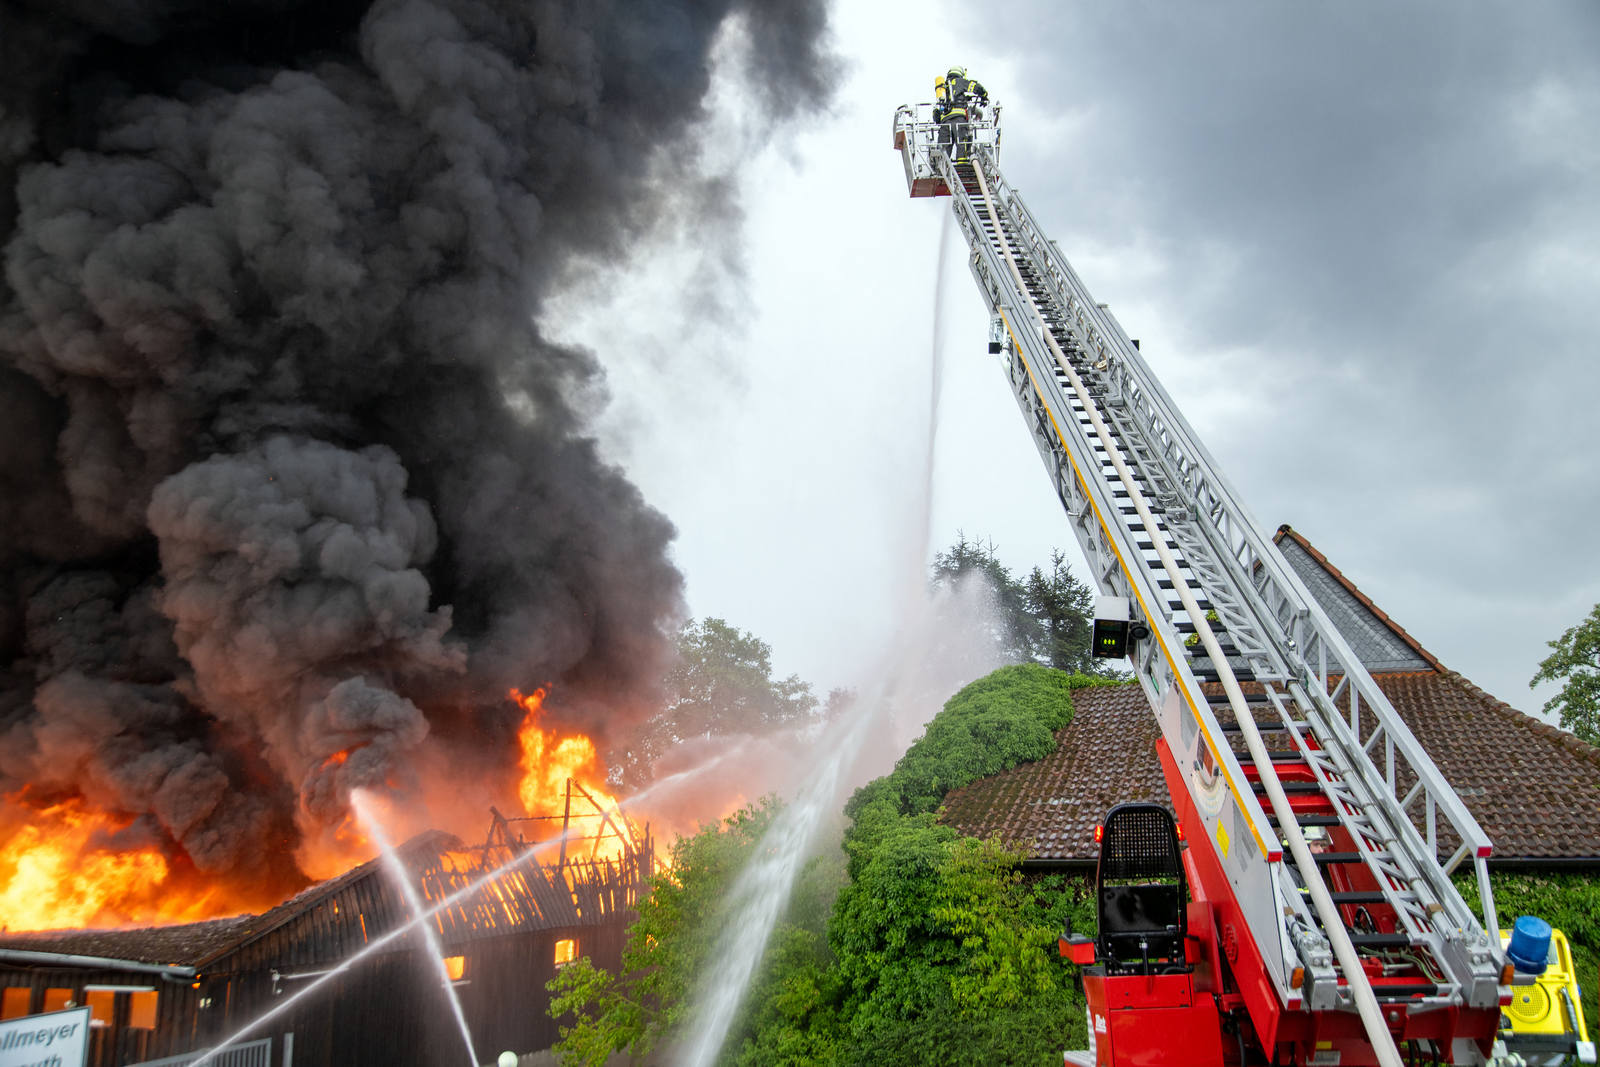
[{"x": 1158, "y": 523}]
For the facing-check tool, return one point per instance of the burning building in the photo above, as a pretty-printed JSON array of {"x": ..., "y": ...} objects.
[
  {"x": 509, "y": 914},
  {"x": 295, "y": 489}
]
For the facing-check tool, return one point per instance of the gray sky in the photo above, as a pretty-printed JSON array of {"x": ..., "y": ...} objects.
[{"x": 1358, "y": 243}]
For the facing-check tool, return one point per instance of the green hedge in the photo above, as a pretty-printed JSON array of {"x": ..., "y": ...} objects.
[
  {"x": 942, "y": 952},
  {"x": 1003, "y": 719}
]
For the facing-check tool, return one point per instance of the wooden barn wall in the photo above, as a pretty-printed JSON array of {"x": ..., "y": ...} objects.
[
  {"x": 387, "y": 1010},
  {"x": 503, "y": 991},
  {"x": 118, "y": 1043},
  {"x": 391, "y": 1010}
]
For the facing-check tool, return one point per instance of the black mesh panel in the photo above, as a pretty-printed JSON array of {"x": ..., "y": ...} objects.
[{"x": 1140, "y": 842}]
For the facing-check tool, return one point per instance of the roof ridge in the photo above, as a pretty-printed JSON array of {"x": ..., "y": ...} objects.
[
  {"x": 1337, "y": 575},
  {"x": 288, "y": 910},
  {"x": 1570, "y": 741}
]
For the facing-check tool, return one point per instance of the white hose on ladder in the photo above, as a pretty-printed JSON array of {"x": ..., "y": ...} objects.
[{"x": 1333, "y": 925}]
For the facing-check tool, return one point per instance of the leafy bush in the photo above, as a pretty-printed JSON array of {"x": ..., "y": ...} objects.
[
  {"x": 1002, "y": 719},
  {"x": 942, "y": 956},
  {"x": 943, "y": 953}
]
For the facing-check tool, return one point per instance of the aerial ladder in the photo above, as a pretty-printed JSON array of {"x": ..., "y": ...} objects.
[{"x": 1318, "y": 838}]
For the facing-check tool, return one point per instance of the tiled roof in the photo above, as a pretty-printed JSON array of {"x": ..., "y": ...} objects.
[
  {"x": 1050, "y": 807},
  {"x": 1534, "y": 789},
  {"x": 180, "y": 946}
]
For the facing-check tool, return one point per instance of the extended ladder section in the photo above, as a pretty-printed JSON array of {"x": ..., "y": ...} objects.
[{"x": 1335, "y": 833}]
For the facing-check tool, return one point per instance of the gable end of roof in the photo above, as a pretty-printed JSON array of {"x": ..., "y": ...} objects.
[{"x": 1364, "y": 603}]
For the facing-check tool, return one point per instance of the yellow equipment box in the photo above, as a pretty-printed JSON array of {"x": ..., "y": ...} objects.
[{"x": 1546, "y": 1013}]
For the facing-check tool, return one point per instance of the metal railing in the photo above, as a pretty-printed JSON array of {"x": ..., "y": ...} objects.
[
  {"x": 918, "y": 139},
  {"x": 248, "y": 1054}
]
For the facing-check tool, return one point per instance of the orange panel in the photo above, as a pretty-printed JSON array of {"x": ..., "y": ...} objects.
[
  {"x": 17, "y": 1000},
  {"x": 102, "y": 1002},
  {"x": 142, "y": 1010}
]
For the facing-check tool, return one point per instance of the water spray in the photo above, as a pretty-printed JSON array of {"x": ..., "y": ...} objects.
[
  {"x": 763, "y": 888},
  {"x": 762, "y": 891},
  {"x": 391, "y": 861}
]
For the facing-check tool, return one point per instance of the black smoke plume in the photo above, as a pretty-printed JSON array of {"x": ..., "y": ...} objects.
[{"x": 293, "y": 488}]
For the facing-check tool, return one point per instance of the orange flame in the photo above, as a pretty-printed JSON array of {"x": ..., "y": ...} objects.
[
  {"x": 55, "y": 874},
  {"x": 561, "y": 782},
  {"x": 63, "y": 865}
]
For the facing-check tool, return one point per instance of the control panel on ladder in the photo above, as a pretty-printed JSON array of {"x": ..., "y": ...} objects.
[{"x": 1299, "y": 908}]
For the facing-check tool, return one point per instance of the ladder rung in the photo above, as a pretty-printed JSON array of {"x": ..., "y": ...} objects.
[
  {"x": 1367, "y": 896},
  {"x": 1261, "y": 727},
  {"x": 1309, "y": 820},
  {"x": 1253, "y": 700},
  {"x": 1379, "y": 941},
  {"x": 1322, "y": 859},
  {"x": 1298, "y": 788},
  {"x": 1210, "y": 674}
]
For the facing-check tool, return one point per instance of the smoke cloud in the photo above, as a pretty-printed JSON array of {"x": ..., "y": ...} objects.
[{"x": 294, "y": 489}]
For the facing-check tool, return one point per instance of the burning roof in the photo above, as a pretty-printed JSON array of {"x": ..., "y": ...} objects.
[{"x": 494, "y": 893}]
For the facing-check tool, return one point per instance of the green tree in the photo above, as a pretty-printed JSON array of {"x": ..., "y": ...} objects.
[
  {"x": 720, "y": 682},
  {"x": 1575, "y": 660},
  {"x": 1017, "y": 633},
  {"x": 1046, "y": 617},
  {"x": 1064, "y": 607}
]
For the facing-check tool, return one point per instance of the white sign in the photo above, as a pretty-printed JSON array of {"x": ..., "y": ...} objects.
[{"x": 59, "y": 1039}]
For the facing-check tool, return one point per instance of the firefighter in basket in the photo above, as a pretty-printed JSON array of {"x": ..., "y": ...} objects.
[{"x": 957, "y": 99}]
